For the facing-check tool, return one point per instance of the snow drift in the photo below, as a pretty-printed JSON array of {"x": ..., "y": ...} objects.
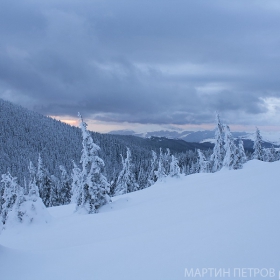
[{"x": 227, "y": 220}]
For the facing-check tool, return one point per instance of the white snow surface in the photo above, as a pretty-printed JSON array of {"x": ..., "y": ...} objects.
[{"x": 229, "y": 219}]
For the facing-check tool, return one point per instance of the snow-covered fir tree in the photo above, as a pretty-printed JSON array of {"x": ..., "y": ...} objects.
[
  {"x": 121, "y": 186},
  {"x": 202, "y": 162},
  {"x": 184, "y": 169},
  {"x": 167, "y": 158},
  {"x": 218, "y": 155},
  {"x": 44, "y": 183},
  {"x": 273, "y": 153},
  {"x": 55, "y": 195},
  {"x": 61, "y": 188},
  {"x": 269, "y": 154},
  {"x": 34, "y": 208},
  {"x": 152, "y": 177},
  {"x": 76, "y": 177},
  {"x": 194, "y": 167},
  {"x": 29, "y": 208},
  {"x": 142, "y": 179},
  {"x": 17, "y": 212},
  {"x": 258, "y": 150},
  {"x": 32, "y": 170},
  {"x": 233, "y": 159},
  {"x": 93, "y": 189},
  {"x": 243, "y": 157},
  {"x": 126, "y": 180},
  {"x": 174, "y": 167},
  {"x": 65, "y": 186},
  {"x": 10, "y": 186},
  {"x": 160, "y": 172}
]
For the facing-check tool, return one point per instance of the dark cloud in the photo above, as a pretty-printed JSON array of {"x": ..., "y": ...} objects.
[{"x": 141, "y": 61}]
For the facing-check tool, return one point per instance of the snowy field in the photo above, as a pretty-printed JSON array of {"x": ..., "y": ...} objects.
[{"x": 225, "y": 220}]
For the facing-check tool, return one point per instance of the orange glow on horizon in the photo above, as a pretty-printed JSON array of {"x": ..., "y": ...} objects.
[
  {"x": 67, "y": 120},
  {"x": 105, "y": 127},
  {"x": 71, "y": 122}
]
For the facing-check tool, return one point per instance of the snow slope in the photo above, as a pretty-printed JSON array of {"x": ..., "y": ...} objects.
[{"x": 229, "y": 219}]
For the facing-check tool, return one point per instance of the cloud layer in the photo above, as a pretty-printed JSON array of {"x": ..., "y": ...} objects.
[{"x": 161, "y": 62}]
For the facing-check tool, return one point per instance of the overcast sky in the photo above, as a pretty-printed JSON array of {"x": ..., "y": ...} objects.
[{"x": 143, "y": 64}]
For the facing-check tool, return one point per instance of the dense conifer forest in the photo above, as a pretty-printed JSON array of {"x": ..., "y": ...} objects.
[
  {"x": 45, "y": 162},
  {"x": 25, "y": 134}
]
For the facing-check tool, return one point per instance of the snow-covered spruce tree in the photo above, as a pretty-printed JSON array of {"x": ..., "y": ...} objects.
[
  {"x": 17, "y": 212},
  {"x": 76, "y": 177},
  {"x": 273, "y": 154},
  {"x": 32, "y": 174},
  {"x": 269, "y": 154},
  {"x": 32, "y": 169},
  {"x": 160, "y": 172},
  {"x": 60, "y": 189},
  {"x": 276, "y": 152},
  {"x": 44, "y": 183},
  {"x": 10, "y": 186},
  {"x": 94, "y": 188},
  {"x": 65, "y": 186},
  {"x": 126, "y": 180},
  {"x": 243, "y": 157},
  {"x": 219, "y": 151},
  {"x": 121, "y": 186},
  {"x": 167, "y": 161},
  {"x": 174, "y": 167},
  {"x": 35, "y": 210},
  {"x": 152, "y": 177},
  {"x": 29, "y": 208},
  {"x": 233, "y": 159},
  {"x": 55, "y": 195},
  {"x": 194, "y": 167},
  {"x": 188, "y": 171},
  {"x": 142, "y": 178},
  {"x": 203, "y": 163},
  {"x": 258, "y": 150},
  {"x": 184, "y": 169}
]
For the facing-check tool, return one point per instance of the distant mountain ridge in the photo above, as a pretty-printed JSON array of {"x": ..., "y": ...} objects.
[{"x": 202, "y": 136}]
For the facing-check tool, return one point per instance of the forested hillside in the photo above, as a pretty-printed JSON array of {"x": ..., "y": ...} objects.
[{"x": 25, "y": 134}]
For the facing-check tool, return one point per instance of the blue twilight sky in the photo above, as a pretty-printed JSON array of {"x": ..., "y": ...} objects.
[{"x": 146, "y": 64}]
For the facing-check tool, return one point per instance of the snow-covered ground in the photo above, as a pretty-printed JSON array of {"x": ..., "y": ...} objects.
[{"x": 227, "y": 221}]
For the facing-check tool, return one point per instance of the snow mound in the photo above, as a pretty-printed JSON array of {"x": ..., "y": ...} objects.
[{"x": 32, "y": 212}]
